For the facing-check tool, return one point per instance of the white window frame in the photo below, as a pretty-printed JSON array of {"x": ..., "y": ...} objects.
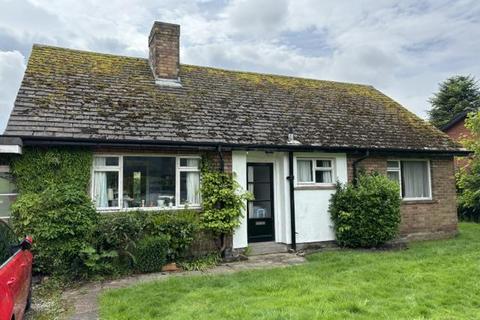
[
  {"x": 119, "y": 169},
  {"x": 399, "y": 170},
  {"x": 314, "y": 169},
  {"x": 6, "y": 169}
]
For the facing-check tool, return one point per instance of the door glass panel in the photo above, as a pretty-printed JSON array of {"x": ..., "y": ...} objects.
[
  {"x": 261, "y": 174},
  {"x": 261, "y": 191},
  {"x": 259, "y": 210},
  {"x": 250, "y": 174}
]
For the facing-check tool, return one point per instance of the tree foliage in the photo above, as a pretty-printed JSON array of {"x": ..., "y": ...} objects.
[
  {"x": 456, "y": 94},
  {"x": 468, "y": 179}
]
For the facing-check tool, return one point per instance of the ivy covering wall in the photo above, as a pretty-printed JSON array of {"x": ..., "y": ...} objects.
[{"x": 38, "y": 169}]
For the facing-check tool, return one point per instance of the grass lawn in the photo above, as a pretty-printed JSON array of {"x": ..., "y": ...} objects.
[{"x": 431, "y": 280}]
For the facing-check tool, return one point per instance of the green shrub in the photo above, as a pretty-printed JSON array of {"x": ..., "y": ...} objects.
[
  {"x": 151, "y": 253},
  {"x": 179, "y": 227},
  {"x": 368, "y": 214},
  {"x": 119, "y": 232},
  {"x": 123, "y": 230},
  {"x": 61, "y": 220}
]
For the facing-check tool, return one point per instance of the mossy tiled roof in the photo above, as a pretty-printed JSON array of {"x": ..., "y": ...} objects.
[{"x": 76, "y": 94}]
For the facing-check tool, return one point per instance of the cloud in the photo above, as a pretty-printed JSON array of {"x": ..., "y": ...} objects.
[
  {"x": 404, "y": 48},
  {"x": 12, "y": 66}
]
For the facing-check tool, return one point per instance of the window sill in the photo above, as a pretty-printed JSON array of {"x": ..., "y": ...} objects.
[
  {"x": 112, "y": 210},
  {"x": 316, "y": 187},
  {"x": 419, "y": 201}
]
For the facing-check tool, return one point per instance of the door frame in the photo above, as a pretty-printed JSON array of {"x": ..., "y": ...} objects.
[{"x": 270, "y": 164}]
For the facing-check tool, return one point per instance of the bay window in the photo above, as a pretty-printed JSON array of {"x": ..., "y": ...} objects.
[
  {"x": 122, "y": 182},
  {"x": 413, "y": 177},
  {"x": 314, "y": 171}
]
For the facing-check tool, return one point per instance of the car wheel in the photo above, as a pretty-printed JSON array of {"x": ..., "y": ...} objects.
[{"x": 29, "y": 298}]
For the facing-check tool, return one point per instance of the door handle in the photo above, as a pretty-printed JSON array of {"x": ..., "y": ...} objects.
[{"x": 11, "y": 282}]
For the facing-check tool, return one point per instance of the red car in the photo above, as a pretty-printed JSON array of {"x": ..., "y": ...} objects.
[{"x": 15, "y": 274}]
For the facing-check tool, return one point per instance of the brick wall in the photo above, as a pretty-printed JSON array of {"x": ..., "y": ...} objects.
[
  {"x": 436, "y": 218},
  {"x": 164, "y": 50}
]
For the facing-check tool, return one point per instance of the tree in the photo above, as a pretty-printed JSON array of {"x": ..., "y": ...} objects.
[
  {"x": 456, "y": 94},
  {"x": 468, "y": 179}
]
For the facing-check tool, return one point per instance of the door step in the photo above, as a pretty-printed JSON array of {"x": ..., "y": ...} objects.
[{"x": 258, "y": 248}]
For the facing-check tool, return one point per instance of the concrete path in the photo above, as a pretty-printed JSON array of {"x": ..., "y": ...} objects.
[{"x": 84, "y": 299}]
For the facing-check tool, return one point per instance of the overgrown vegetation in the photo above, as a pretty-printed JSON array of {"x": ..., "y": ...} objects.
[
  {"x": 367, "y": 214},
  {"x": 223, "y": 203},
  {"x": 71, "y": 239},
  {"x": 468, "y": 179}
]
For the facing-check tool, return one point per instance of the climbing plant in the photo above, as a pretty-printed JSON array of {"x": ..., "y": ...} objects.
[{"x": 223, "y": 203}]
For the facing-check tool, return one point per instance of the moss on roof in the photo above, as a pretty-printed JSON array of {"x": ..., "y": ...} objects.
[{"x": 72, "y": 93}]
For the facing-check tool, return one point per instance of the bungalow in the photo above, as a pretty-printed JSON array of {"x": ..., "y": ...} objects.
[{"x": 288, "y": 140}]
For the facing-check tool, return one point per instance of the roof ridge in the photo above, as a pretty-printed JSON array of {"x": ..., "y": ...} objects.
[
  {"x": 275, "y": 75},
  {"x": 37, "y": 45}
]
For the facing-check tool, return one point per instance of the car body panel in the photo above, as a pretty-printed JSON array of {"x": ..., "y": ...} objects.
[{"x": 15, "y": 281}]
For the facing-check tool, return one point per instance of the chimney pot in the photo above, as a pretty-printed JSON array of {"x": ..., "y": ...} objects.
[{"x": 164, "y": 52}]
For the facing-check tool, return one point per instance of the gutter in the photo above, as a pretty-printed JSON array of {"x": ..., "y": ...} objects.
[
  {"x": 354, "y": 166},
  {"x": 202, "y": 145},
  {"x": 291, "y": 180}
]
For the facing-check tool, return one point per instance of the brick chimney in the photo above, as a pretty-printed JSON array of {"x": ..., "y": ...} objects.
[{"x": 164, "y": 56}]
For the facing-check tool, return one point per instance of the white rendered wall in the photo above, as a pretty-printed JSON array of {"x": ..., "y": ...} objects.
[
  {"x": 312, "y": 217},
  {"x": 239, "y": 169}
]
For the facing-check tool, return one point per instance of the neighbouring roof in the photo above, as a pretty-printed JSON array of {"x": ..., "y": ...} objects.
[
  {"x": 458, "y": 118},
  {"x": 84, "y": 95}
]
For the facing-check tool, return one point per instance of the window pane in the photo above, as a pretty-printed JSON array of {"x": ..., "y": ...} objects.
[
  {"x": 324, "y": 163},
  {"x": 105, "y": 161},
  {"x": 148, "y": 182},
  {"x": 259, "y": 209},
  {"x": 304, "y": 171},
  {"x": 323, "y": 176},
  {"x": 7, "y": 184},
  {"x": 105, "y": 189},
  {"x": 415, "y": 179},
  {"x": 5, "y": 203},
  {"x": 189, "y": 188},
  {"x": 393, "y": 165},
  {"x": 191, "y": 163},
  {"x": 394, "y": 175}
]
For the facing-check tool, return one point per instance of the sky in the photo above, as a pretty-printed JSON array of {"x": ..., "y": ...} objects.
[{"x": 403, "y": 48}]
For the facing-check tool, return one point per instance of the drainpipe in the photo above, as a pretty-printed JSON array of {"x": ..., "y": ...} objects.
[
  {"x": 354, "y": 165},
  {"x": 222, "y": 162},
  {"x": 291, "y": 179}
]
